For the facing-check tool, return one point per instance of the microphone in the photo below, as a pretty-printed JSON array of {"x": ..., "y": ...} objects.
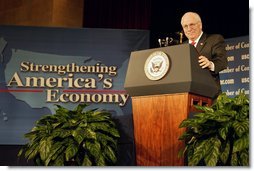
[
  {"x": 166, "y": 41},
  {"x": 159, "y": 40},
  {"x": 180, "y": 33}
]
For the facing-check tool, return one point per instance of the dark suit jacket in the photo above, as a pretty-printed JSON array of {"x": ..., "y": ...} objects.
[{"x": 213, "y": 47}]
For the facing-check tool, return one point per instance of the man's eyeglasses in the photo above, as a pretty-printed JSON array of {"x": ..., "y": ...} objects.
[{"x": 191, "y": 25}]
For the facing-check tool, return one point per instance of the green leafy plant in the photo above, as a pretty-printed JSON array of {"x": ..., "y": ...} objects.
[
  {"x": 73, "y": 138},
  {"x": 219, "y": 135}
]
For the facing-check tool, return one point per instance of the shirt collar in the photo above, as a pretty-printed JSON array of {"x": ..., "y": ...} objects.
[{"x": 197, "y": 38}]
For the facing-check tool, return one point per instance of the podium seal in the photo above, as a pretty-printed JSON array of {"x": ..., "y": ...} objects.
[{"x": 156, "y": 65}]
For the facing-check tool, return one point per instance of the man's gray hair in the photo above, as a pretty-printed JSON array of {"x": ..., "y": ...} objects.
[{"x": 194, "y": 14}]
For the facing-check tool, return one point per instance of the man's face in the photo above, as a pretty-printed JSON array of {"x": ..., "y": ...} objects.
[{"x": 191, "y": 27}]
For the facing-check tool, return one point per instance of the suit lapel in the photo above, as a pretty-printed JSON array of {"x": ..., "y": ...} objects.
[{"x": 201, "y": 43}]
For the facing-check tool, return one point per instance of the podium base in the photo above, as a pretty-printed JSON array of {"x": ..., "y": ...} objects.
[{"x": 156, "y": 126}]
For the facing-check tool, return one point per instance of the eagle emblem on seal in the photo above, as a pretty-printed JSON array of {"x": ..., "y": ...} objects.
[{"x": 156, "y": 65}]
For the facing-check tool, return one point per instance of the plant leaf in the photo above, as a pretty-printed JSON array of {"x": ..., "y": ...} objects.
[
  {"x": 59, "y": 160},
  {"x": 94, "y": 148},
  {"x": 244, "y": 157},
  {"x": 199, "y": 152},
  {"x": 90, "y": 134},
  {"x": 100, "y": 161},
  {"x": 44, "y": 148},
  {"x": 86, "y": 161},
  {"x": 188, "y": 123},
  {"x": 33, "y": 154},
  {"x": 185, "y": 135},
  {"x": 55, "y": 148},
  {"x": 205, "y": 109},
  {"x": 241, "y": 144},
  {"x": 105, "y": 139},
  {"x": 80, "y": 107},
  {"x": 212, "y": 157},
  {"x": 234, "y": 160},
  {"x": 71, "y": 151},
  {"x": 225, "y": 153},
  {"x": 62, "y": 133},
  {"x": 114, "y": 132},
  {"x": 241, "y": 99},
  {"x": 79, "y": 135},
  {"x": 241, "y": 127},
  {"x": 224, "y": 131},
  {"x": 21, "y": 152},
  {"x": 60, "y": 151},
  {"x": 32, "y": 149},
  {"x": 110, "y": 154}
]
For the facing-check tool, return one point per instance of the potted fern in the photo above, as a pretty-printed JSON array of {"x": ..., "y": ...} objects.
[
  {"x": 218, "y": 135},
  {"x": 73, "y": 137}
]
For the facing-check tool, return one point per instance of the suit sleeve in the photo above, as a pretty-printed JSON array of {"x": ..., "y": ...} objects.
[{"x": 219, "y": 55}]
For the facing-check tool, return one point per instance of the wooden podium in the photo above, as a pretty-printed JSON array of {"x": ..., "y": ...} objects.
[{"x": 160, "y": 106}]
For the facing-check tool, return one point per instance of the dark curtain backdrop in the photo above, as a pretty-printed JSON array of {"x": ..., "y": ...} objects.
[
  {"x": 120, "y": 14},
  {"x": 162, "y": 17}
]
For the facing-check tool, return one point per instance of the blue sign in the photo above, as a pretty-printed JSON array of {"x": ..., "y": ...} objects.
[
  {"x": 235, "y": 78},
  {"x": 41, "y": 67}
]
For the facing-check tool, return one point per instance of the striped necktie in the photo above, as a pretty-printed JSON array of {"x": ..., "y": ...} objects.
[{"x": 193, "y": 43}]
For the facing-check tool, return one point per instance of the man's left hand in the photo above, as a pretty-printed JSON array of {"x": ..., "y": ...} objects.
[{"x": 204, "y": 62}]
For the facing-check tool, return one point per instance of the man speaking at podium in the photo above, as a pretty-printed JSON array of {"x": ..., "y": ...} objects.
[{"x": 211, "y": 48}]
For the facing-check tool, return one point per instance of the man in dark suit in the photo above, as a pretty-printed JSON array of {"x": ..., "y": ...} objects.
[{"x": 211, "y": 48}]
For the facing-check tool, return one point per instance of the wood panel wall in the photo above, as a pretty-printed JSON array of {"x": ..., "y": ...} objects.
[{"x": 53, "y": 13}]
